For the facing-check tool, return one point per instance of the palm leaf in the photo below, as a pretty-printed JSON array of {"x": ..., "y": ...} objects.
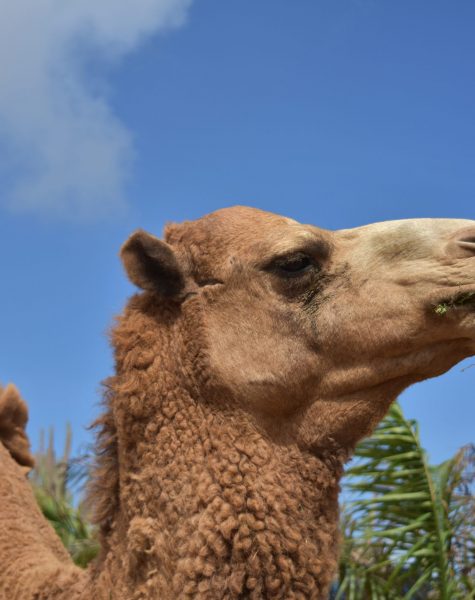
[
  {"x": 408, "y": 531},
  {"x": 53, "y": 481}
]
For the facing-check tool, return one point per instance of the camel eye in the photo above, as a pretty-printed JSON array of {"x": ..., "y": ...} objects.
[{"x": 293, "y": 266}]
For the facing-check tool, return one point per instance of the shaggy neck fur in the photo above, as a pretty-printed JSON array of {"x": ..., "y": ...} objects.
[{"x": 206, "y": 504}]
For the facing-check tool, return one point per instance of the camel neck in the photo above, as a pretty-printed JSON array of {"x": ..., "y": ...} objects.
[
  {"x": 210, "y": 507},
  {"x": 206, "y": 504}
]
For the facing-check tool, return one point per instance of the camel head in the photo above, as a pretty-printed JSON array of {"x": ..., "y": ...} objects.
[
  {"x": 260, "y": 351},
  {"x": 315, "y": 331}
]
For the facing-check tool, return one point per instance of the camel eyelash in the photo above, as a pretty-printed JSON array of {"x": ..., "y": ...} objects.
[
  {"x": 308, "y": 257},
  {"x": 292, "y": 265}
]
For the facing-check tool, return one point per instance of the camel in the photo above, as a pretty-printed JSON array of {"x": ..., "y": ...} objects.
[{"x": 258, "y": 352}]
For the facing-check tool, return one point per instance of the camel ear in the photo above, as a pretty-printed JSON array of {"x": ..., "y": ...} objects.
[{"x": 151, "y": 264}]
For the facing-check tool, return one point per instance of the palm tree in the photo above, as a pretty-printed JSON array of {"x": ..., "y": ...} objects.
[
  {"x": 54, "y": 481},
  {"x": 409, "y": 527}
]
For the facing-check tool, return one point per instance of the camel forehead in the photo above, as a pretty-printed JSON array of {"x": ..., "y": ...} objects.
[
  {"x": 247, "y": 220},
  {"x": 242, "y": 229}
]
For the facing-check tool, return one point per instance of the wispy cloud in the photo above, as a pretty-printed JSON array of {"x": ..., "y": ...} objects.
[{"x": 63, "y": 151}]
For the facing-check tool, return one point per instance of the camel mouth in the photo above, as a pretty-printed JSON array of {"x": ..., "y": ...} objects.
[{"x": 463, "y": 301}]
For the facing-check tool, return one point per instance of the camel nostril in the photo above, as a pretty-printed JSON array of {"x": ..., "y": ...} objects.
[
  {"x": 462, "y": 243},
  {"x": 468, "y": 243}
]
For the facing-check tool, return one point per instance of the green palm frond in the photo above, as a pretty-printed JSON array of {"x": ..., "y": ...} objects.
[
  {"x": 408, "y": 531},
  {"x": 52, "y": 480}
]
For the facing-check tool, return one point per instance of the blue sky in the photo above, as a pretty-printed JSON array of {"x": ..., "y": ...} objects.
[{"x": 334, "y": 113}]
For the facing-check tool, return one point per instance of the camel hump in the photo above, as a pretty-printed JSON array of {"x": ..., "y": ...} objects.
[{"x": 13, "y": 419}]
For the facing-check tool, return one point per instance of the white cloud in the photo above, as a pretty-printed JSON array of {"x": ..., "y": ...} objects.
[{"x": 63, "y": 152}]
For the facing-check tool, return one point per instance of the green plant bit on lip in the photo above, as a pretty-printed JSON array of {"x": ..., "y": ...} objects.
[{"x": 441, "y": 309}]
